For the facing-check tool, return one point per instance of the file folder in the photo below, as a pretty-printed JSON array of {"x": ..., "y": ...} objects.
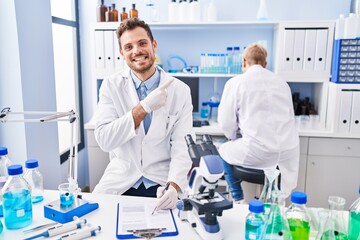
[
  {"x": 119, "y": 61},
  {"x": 321, "y": 46},
  {"x": 288, "y": 49},
  {"x": 345, "y": 111},
  {"x": 299, "y": 45},
  {"x": 137, "y": 217},
  {"x": 99, "y": 50},
  {"x": 355, "y": 113},
  {"x": 309, "y": 51},
  {"x": 109, "y": 49}
]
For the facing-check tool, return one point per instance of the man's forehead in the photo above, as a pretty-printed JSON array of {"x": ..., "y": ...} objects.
[{"x": 134, "y": 35}]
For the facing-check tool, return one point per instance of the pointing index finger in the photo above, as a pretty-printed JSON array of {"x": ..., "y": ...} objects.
[{"x": 166, "y": 83}]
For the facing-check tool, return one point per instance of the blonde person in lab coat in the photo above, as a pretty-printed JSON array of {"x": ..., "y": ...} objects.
[
  {"x": 258, "y": 105},
  {"x": 145, "y": 138}
]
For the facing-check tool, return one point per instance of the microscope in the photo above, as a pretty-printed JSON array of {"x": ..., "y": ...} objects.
[{"x": 203, "y": 204}]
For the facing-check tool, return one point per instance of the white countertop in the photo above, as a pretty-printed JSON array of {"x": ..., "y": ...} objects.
[{"x": 232, "y": 222}]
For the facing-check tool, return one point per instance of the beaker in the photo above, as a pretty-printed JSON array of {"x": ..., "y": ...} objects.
[
  {"x": 270, "y": 185},
  {"x": 66, "y": 195},
  {"x": 333, "y": 227},
  {"x": 276, "y": 225}
]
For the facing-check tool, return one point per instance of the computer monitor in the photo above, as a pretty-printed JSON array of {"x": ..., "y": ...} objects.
[{"x": 193, "y": 83}]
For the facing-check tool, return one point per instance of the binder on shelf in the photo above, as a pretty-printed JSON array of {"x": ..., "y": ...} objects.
[
  {"x": 309, "y": 51},
  {"x": 345, "y": 110},
  {"x": 109, "y": 49},
  {"x": 299, "y": 45},
  {"x": 355, "y": 113},
  {"x": 136, "y": 220},
  {"x": 320, "y": 52},
  {"x": 119, "y": 61},
  {"x": 99, "y": 50},
  {"x": 289, "y": 37}
]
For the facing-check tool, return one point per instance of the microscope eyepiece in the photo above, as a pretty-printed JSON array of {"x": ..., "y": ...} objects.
[
  {"x": 189, "y": 140},
  {"x": 207, "y": 138}
]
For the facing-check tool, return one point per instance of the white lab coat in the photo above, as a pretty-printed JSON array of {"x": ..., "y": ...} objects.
[
  {"x": 161, "y": 155},
  {"x": 259, "y": 104}
]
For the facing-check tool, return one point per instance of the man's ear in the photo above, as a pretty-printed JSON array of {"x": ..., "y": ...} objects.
[
  {"x": 154, "y": 45},
  {"x": 265, "y": 64}
]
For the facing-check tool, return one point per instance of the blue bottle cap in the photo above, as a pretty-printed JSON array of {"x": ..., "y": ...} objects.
[
  {"x": 229, "y": 49},
  {"x": 237, "y": 48},
  {"x": 3, "y": 151},
  {"x": 32, "y": 163},
  {"x": 256, "y": 206},
  {"x": 15, "y": 169},
  {"x": 204, "y": 104},
  {"x": 359, "y": 189},
  {"x": 299, "y": 197}
]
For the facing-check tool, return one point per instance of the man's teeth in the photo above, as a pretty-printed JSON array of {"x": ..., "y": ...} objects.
[{"x": 139, "y": 59}]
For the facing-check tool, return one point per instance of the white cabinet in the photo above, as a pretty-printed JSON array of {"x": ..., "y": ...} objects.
[{"x": 333, "y": 168}]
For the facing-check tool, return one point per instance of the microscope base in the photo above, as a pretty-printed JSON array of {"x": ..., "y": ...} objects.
[
  {"x": 79, "y": 208},
  {"x": 205, "y": 231}
]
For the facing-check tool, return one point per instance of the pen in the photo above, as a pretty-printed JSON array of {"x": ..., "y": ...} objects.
[{"x": 165, "y": 189}]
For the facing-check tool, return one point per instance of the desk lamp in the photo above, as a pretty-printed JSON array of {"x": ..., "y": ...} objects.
[{"x": 70, "y": 203}]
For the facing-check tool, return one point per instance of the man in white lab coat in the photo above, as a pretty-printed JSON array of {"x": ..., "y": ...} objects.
[
  {"x": 142, "y": 118},
  {"x": 258, "y": 106}
]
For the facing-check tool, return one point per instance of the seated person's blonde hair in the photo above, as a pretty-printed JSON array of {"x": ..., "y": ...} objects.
[{"x": 255, "y": 54}]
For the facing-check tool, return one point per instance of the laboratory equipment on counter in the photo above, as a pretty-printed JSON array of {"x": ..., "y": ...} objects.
[
  {"x": 88, "y": 231},
  {"x": 334, "y": 224},
  {"x": 203, "y": 204},
  {"x": 255, "y": 220},
  {"x": 54, "y": 210},
  {"x": 270, "y": 186},
  {"x": 276, "y": 225},
  {"x": 298, "y": 218},
  {"x": 35, "y": 179},
  {"x": 16, "y": 199},
  {"x": 204, "y": 111},
  {"x": 354, "y": 220},
  {"x": 4, "y": 164},
  {"x": 60, "y": 228}
]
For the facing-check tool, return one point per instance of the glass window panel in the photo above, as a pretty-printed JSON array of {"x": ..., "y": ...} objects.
[
  {"x": 66, "y": 78},
  {"x": 63, "y": 9}
]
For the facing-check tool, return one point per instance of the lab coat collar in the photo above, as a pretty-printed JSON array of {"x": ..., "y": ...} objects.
[
  {"x": 150, "y": 83},
  {"x": 254, "y": 67}
]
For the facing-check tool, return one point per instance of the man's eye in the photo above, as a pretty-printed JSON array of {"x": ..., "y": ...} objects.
[
  {"x": 143, "y": 44},
  {"x": 127, "y": 48}
]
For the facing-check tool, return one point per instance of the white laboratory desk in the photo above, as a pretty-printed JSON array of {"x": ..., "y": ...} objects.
[{"x": 232, "y": 221}]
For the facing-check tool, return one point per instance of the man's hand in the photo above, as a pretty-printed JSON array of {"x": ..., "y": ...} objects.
[
  {"x": 157, "y": 98},
  {"x": 167, "y": 199}
]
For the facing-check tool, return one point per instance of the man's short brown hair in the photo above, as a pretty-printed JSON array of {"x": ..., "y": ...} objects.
[{"x": 130, "y": 24}]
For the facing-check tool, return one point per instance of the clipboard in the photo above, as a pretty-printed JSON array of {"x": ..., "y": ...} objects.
[{"x": 136, "y": 217}]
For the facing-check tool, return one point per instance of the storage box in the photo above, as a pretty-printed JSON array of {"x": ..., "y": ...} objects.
[{"x": 346, "y": 61}]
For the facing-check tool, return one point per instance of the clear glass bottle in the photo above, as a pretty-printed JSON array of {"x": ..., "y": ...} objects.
[
  {"x": 262, "y": 13},
  {"x": 134, "y": 13},
  {"x": 229, "y": 63},
  {"x": 100, "y": 11},
  {"x": 124, "y": 15},
  {"x": 17, "y": 199},
  {"x": 173, "y": 11},
  {"x": 35, "y": 179},
  {"x": 298, "y": 217},
  {"x": 270, "y": 186},
  {"x": 204, "y": 111},
  {"x": 276, "y": 225},
  {"x": 255, "y": 220},
  {"x": 4, "y": 164},
  {"x": 354, "y": 220}
]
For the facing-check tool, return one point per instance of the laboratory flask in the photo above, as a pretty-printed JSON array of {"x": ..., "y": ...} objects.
[
  {"x": 214, "y": 103},
  {"x": 332, "y": 227},
  {"x": 255, "y": 220},
  {"x": 270, "y": 185},
  {"x": 4, "y": 164},
  {"x": 354, "y": 220},
  {"x": 298, "y": 217},
  {"x": 276, "y": 225},
  {"x": 17, "y": 199},
  {"x": 35, "y": 179}
]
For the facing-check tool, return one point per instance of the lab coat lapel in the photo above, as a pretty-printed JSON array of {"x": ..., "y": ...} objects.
[{"x": 129, "y": 89}]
